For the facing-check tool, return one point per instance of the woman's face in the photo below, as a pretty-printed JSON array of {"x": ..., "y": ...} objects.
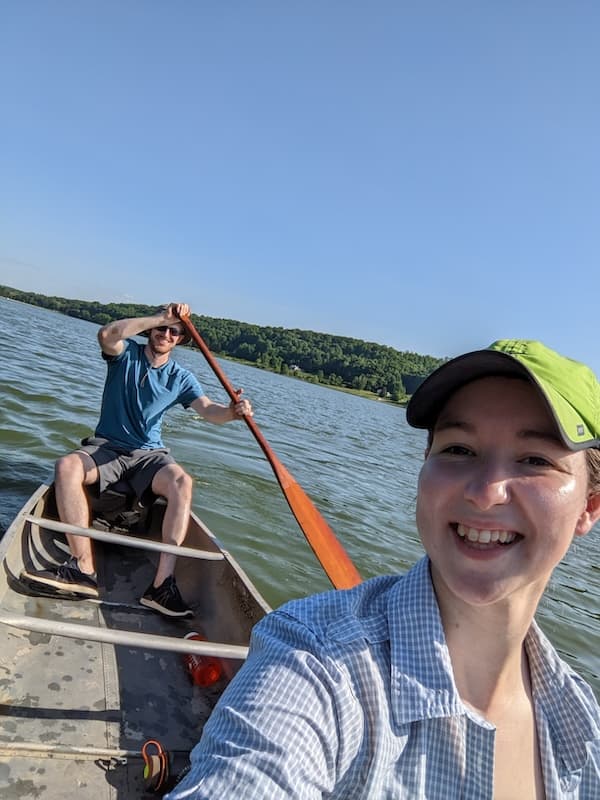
[{"x": 500, "y": 496}]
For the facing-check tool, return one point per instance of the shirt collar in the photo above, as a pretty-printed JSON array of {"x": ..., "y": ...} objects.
[
  {"x": 421, "y": 672},
  {"x": 564, "y": 699}
]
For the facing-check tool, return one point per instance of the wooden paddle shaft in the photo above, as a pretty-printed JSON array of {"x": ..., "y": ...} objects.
[{"x": 333, "y": 558}]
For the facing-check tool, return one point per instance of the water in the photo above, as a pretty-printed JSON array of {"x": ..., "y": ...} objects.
[{"x": 357, "y": 459}]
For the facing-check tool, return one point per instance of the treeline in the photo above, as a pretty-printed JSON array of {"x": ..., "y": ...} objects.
[{"x": 319, "y": 357}]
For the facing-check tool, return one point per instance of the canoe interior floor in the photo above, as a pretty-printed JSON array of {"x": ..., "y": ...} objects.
[{"x": 58, "y": 693}]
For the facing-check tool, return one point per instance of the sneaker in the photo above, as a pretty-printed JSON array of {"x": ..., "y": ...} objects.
[
  {"x": 66, "y": 578},
  {"x": 166, "y": 599}
]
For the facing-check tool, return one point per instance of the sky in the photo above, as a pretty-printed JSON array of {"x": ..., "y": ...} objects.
[{"x": 424, "y": 175}]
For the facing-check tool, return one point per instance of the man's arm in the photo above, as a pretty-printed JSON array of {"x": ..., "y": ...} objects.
[
  {"x": 112, "y": 335},
  {"x": 217, "y": 413}
]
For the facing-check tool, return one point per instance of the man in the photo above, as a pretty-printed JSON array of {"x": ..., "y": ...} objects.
[{"x": 142, "y": 382}]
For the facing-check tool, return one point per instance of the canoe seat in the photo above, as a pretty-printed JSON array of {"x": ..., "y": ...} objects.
[{"x": 118, "y": 507}]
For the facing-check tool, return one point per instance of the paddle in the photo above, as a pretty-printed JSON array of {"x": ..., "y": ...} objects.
[{"x": 333, "y": 558}]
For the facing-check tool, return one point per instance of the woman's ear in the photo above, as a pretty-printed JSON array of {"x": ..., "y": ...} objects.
[{"x": 590, "y": 515}]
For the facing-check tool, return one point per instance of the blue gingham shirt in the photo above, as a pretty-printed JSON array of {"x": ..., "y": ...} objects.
[{"x": 350, "y": 694}]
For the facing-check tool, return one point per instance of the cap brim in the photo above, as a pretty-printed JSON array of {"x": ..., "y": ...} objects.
[
  {"x": 554, "y": 383},
  {"x": 430, "y": 397}
]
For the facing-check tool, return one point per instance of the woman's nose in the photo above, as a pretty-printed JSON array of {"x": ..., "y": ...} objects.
[{"x": 489, "y": 486}]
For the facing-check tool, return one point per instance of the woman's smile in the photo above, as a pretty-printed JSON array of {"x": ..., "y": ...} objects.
[{"x": 485, "y": 537}]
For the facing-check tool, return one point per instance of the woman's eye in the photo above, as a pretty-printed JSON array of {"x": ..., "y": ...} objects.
[
  {"x": 457, "y": 450},
  {"x": 536, "y": 461}
]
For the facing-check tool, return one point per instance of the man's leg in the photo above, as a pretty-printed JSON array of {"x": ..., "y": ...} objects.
[
  {"x": 71, "y": 474},
  {"x": 175, "y": 485},
  {"x": 75, "y": 576}
]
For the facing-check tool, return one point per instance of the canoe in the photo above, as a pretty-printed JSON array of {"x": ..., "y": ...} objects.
[{"x": 86, "y": 684}]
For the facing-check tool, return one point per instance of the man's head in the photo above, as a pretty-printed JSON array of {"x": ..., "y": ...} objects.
[{"x": 569, "y": 388}]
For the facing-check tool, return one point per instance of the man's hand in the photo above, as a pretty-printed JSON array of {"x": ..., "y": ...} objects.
[
  {"x": 242, "y": 407},
  {"x": 174, "y": 312}
]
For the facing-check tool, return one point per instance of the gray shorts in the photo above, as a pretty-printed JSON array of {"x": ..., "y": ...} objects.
[{"x": 135, "y": 467}]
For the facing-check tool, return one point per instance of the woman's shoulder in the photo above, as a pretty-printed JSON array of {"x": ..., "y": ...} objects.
[{"x": 365, "y": 611}]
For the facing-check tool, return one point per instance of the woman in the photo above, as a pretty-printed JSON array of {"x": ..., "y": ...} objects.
[{"x": 438, "y": 684}]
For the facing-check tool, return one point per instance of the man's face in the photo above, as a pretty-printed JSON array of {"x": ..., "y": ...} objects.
[{"x": 164, "y": 338}]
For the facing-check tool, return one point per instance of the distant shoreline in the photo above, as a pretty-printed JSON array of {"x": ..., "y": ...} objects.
[
  {"x": 357, "y": 392},
  {"x": 365, "y": 369}
]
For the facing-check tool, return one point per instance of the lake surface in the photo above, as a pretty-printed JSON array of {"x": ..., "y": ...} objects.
[{"x": 357, "y": 459}]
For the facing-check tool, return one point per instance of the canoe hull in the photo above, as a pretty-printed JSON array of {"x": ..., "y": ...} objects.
[{"x": 77, "y": 708}]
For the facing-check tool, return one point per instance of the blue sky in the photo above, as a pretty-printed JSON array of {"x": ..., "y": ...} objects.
[{"x": 423, "y": 175}]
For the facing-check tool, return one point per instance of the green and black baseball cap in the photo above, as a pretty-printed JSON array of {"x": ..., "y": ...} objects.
[{"x": 569, "y": 388}]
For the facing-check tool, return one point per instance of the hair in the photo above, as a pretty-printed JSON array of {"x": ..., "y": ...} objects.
[{"x": 592, "y": 457}]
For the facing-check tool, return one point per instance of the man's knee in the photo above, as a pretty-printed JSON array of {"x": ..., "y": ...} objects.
[
  {"x": 68, "y": 467},
  {"x": 173, "y": 482},
  {"x": 72, "y": 467},
  {"x": 184, "y": 483}
]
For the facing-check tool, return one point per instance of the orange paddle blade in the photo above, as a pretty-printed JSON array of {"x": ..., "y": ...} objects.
[{"x": 333, "y": 558}]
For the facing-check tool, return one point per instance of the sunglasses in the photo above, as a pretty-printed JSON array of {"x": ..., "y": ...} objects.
[{"x": 172, "y": 330}]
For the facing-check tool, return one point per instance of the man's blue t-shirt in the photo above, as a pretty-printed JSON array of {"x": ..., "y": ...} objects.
[{"x": 137, "y": 395}]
